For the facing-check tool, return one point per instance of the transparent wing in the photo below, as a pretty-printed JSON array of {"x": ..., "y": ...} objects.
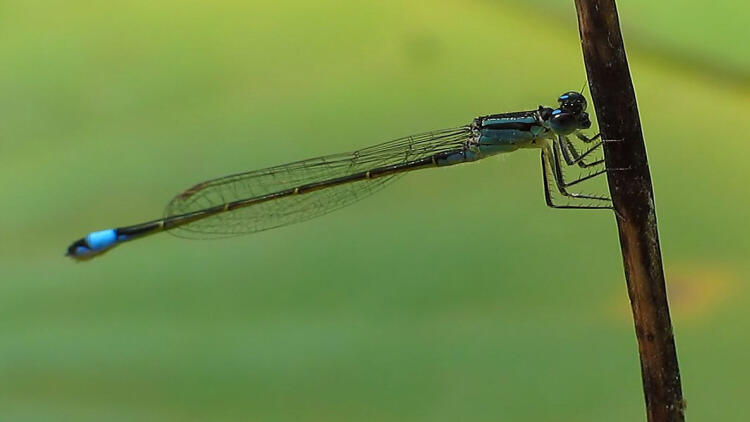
[{"x": 296, "y": 208}]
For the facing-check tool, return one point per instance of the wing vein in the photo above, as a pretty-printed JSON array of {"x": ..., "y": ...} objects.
[{"x": 297, "y": 208}]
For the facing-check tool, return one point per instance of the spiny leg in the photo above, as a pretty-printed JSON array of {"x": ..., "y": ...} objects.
[
  {"x": 546, "y": 161},
  {"x": 566, "y": 142},
  {"x": 548, "y": 194},
  {"x": 567, "y": 149},
  {"x": 588, "y": 140},
  {"x": 556, "y": 167}
]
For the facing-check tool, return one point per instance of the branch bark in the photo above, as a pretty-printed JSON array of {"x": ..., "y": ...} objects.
[{"x": 632, "y": 194}]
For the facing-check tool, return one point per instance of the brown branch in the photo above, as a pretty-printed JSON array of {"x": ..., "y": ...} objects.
[{"x": 632, "y": 194}]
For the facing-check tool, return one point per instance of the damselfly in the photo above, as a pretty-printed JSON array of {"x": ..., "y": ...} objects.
[{"x": 290, "y": 193}]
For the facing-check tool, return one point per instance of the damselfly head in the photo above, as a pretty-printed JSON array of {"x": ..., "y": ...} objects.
[
  {"x": 572, "y": 102},
  {"x": 571, "y": 115}
]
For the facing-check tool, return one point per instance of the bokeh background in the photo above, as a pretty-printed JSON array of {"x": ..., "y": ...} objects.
[{"x": 454, "y": 294}]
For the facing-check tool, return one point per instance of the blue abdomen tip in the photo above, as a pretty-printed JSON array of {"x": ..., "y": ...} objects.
[
  {"x": 94, "y": 244},
  {"x": 101, "y": 239}
]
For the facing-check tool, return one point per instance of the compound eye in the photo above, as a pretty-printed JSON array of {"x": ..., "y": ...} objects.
[
  {"x": 572, "y": 102},
  {"x": 563, "y": 123}
]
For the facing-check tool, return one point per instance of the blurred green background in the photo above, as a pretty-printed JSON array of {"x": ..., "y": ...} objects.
[{"x": 454, "y": 294}]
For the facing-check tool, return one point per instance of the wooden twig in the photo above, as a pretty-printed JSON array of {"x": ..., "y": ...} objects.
[{"x": 632, "y": 194}]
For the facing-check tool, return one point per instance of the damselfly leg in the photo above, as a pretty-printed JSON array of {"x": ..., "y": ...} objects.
[
  {"x": 552, "y": 168},
  {"x": 558, "y": 167},
  {"x": 586, "y": 139},
  {"x": 568, "y": 150}
]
